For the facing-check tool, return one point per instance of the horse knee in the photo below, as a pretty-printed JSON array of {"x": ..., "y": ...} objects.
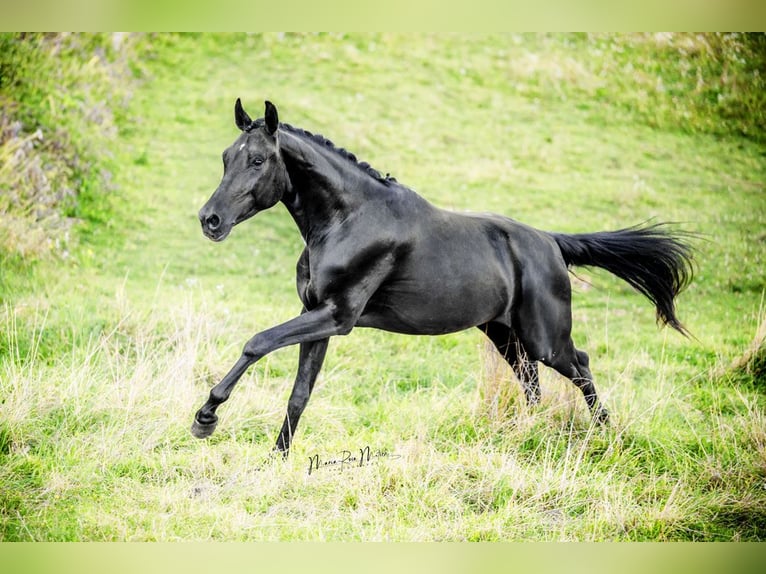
[
  {"x": 343, "y": 318},
  {"x": 345, "y": 327},
  {"x": 258, "y": 347},
  {"x": 252, "y": 350}
]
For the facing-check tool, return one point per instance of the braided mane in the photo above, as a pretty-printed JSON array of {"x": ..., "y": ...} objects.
[{"x": 323, "y": 141}]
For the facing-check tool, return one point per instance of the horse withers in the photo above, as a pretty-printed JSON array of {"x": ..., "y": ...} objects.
[{"x": 379, "y": 255}]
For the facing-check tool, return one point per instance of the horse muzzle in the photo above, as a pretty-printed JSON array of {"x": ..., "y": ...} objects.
[{"x": 213, "y": 226}]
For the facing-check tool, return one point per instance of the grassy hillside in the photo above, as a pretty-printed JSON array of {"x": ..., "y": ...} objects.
[{"x": 106, "y": 358}]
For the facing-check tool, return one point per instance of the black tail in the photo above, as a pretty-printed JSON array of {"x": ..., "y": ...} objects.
[{"x": 650, "y": 258}]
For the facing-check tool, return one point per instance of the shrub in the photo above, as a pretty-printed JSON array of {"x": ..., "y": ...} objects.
[{"x": 59, "y": 94}]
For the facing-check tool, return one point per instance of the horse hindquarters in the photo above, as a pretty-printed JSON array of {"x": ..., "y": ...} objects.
[{"x": 541, "y": 318}]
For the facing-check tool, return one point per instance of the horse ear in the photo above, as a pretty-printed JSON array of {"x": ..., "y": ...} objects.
[
  {"x": 272, "y": 118},
  {"x": 241, "y": 118}
]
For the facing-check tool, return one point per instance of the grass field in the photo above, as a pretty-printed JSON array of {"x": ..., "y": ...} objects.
[{"x": 107, "y": 353}]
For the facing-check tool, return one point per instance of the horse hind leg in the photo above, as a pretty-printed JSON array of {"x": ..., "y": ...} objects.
[
  {"x": 574, "y": 364},
  {"x": 514, "y": 354},
  {"x": 526, "y": 371}
]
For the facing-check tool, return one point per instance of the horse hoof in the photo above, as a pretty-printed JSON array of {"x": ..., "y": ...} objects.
[
  {"x": 277, "y": 452},
  {"x": 202, "y": 430},
  {"x": 602, "y": 416}
]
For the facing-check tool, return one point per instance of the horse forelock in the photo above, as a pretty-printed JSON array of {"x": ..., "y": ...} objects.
[{"x": 327, "y": 144}]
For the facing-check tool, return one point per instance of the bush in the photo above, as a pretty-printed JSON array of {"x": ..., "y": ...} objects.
[{"x": 59, "y": 94}]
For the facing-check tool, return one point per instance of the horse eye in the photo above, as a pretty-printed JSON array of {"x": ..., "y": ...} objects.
[{"x": 258, "y": 161}]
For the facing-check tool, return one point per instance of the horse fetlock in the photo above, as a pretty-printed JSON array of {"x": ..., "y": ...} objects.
[
  {"x": 218, "y": 396},
  {"x": 533, "y": 397},
  {"x": 601, "y": 416}
]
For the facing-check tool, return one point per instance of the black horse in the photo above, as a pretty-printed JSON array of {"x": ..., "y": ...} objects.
[{"x": 379, "y": 255}]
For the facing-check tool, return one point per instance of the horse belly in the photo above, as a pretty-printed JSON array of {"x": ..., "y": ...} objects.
[{"x": 435, "y": 304}]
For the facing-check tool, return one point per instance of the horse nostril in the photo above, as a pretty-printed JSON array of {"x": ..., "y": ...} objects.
[{"x": 213, "y": 222}]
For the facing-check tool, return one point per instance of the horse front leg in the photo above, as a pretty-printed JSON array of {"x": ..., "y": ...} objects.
[
  {"x": 309, "y": 364},
  {"x": 316, "y": 325}
]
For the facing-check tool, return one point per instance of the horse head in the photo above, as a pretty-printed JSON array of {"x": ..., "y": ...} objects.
[{"x": 254, "y": 174}]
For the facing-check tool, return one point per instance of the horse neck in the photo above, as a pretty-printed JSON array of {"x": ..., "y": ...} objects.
[{"x": 322, "y": 190}]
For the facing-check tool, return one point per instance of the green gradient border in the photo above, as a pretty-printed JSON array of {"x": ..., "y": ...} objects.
[
  {"x": 337, "y": 558},
  {"x": 393, "y": 15},
  {"x": 378, "y": 15}
]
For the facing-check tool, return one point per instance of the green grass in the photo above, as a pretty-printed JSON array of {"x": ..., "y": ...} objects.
[{"x": 107, "y": 355}]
